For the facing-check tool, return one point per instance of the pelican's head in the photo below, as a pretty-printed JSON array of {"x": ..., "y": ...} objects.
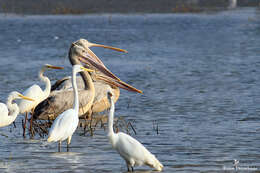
[
  {"x": 86, "y": 44},
  {"x": 80, "y": 53}
]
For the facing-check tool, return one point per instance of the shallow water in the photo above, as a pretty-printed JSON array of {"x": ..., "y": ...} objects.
[{"x": 200, "y": 74}]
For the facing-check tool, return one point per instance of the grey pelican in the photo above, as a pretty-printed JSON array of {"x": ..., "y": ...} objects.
[{"x": 61, "y": 96}]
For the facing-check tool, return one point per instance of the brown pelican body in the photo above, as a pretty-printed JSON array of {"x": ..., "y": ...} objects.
[
  {"x": 61, "y": 96},
  {"x": 100, "y": 101}
]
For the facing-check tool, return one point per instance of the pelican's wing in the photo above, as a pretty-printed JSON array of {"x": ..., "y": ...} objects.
[
  {"x": 59, "y": 83},
  {"x": 61, "y": 100},
  {"x": 58, "y": 102}
]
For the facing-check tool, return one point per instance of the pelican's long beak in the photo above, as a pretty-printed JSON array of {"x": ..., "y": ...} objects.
[
  {"x": 24, "y": 97},
  {"x": 89, "y": 44},
  {"x": 53, "y": 67},
  {"x": 91, "y": 59},
  {"x": 88, "y": 59},
  {"x": 107, "y": 47},
  {"x": 117, "y": 83}
]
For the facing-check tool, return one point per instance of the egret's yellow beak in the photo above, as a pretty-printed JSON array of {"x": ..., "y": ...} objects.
[
  {"x": 86, "y": 69},
  {"x": 24, "y": 97},
  {"x": 53, "y": 67}
]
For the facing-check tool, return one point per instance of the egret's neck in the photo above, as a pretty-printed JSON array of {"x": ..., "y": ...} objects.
[
  {"x": 75, "y": 90},
  {"x": 46, "y": 81},
  {"x": 13, "y": 109},
  {"x": 111, "y": 117}
]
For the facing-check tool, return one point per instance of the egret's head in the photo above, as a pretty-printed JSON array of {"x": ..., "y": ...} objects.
[
  {"x": 80, "y": 68},
  {"x": 17, "y": 95},
  {"x": 109, "y": 95}
]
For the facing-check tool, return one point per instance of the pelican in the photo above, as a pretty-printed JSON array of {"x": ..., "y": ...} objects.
[
  {"x": 66, "y": 123},
  {"x": 132, "y": 151},
  {"x": 61, "y": 95},
  {"x": 10, "y": 110},
  {"x": 36, "y": 93}
]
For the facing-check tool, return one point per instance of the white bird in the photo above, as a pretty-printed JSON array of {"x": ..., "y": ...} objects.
[
  {"x": 35, "y": 92},
  {"x": 10, "y": 110},
  {"x": 132, "y": 151},
  {"x": 66, "y": 123}
]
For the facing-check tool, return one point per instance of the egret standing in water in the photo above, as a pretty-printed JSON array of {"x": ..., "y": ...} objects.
[
  {"x": 36, "y": 93},
  {"x": 66, "y": 123},
  {"x": 10, "y": 110},
  {"x": 132, "y": 151}
]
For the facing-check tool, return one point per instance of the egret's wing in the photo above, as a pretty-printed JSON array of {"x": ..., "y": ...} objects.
[
  {"x": 128, "y": 147},
  {"x": 34, "y": 92},
  {"x": 5, "y": 119},
  {"x": 63, "y": 126}
]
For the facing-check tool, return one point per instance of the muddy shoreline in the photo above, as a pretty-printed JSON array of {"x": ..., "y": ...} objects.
[{"x": 114, "y": 6}]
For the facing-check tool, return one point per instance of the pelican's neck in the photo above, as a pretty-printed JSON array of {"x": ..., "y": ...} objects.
[
  {"x": 85, "y": 77},
  {"x": 111, "y": 117},
  {"x": 13, "y": 109},
  {"x": 75, "y": 90},
  {"x": 74, "y": 60},
  {"x": 46, "y": 81}
]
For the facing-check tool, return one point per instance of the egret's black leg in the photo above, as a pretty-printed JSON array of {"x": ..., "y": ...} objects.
[
  {"x": 24, "y": 125},
  {"x": 14, "y": 124},
  {"x": 59, "y": 146},
  {"x": 127, "y": 165},
  {"x": 68, "y": 147}
]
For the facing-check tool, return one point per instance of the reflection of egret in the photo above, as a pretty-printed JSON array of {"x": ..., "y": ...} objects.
[
  {"x": 66, "y": 123},
  {"x": 61, "y": 97},
  {"x": 36, "y": 93},
  {"x": 7, "y": 117},
  {"x": 132, "y": 151}
]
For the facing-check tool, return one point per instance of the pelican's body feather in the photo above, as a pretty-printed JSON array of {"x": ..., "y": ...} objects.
[{"x": 62, "y": 98}]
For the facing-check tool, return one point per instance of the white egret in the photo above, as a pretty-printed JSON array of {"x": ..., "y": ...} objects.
[
  {"x": 36, "y": 93},
  {"x": 132, "y": 151},
  {"x": 66, "y": 123},
  {"x": 10, "y": 110}
]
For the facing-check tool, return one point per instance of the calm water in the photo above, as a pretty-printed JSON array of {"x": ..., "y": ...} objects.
[{"x": 200, "y": 75}]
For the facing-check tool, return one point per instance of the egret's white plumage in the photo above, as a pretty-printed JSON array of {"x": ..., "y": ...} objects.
[
  {"x": 66, "y": 123},
  {"x": 35, "y": 92},
  {"x": 132, "y": 151},
  {"x": 10, "y": 110}
]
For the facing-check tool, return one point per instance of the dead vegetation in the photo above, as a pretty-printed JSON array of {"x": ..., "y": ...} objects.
[{"x": 41, "y": 128}]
